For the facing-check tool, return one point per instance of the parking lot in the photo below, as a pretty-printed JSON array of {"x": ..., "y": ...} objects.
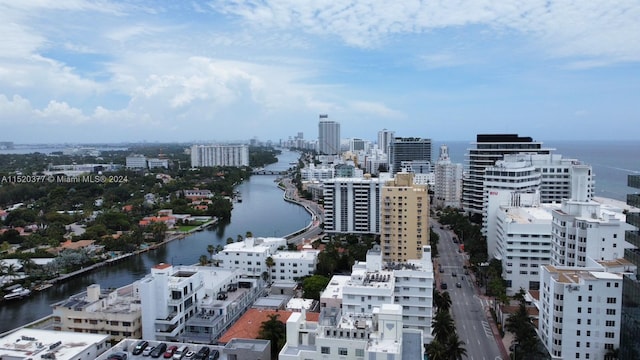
[{"x": 129, "y": 345}]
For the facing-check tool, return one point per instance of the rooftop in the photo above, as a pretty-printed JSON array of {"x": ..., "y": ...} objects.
[
  {"x": 248, "y": 326},
  {"x": 33, "y": 343}
]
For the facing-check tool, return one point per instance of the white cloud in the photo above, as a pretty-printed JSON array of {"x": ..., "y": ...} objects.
[
  {"x": 597, "y": 28},
  {"x": 376, "y": 109}
]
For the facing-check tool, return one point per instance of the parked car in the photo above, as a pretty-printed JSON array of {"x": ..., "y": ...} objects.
[
  {"x": 458, "y": 285},
  {"x": 203, "y": 353},
  {"x": 454, "y": 274},
  {"x": 140, "y": 346},
  {"x": 190, "y": 355},
  {"x": 443, "y": 286},
  {"x": 159, "y": 350},
  {"x": 118, "y": 356},
  {"x": 179, "y": 354},
  {"x": 147, "y": 351},
  {"x": 214, "y": 355},
  {"x": 170, "y": 351}
]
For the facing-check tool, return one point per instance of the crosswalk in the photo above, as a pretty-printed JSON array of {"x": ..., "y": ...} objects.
[{"x": 487, "y": 329}]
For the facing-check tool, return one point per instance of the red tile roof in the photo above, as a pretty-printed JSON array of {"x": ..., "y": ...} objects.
[{"x": 248, "y": 326}]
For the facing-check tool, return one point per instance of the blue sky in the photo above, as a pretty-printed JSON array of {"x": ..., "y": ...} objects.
[{"x": 111, "y": 71}]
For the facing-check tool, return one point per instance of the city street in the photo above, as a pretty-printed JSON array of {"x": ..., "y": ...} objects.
[{"x": 469, "y": 310}]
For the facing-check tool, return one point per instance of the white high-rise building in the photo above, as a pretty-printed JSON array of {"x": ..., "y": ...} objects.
[
  {"x": 374, "y": 283},
  {"x": 580, "y": 311},
  {"x": 328, "y": 136},
  {"x": 379, "y": 335},
  {"x": 352, "y": 205},
  {"x": 522, "y": 239},
  {"x": 194, "y": 303},
  {"x": 513, "y": 176},
  {"x": 448, "y": 181},
  {"x": 384, "y": 139},
  {"x": 557, "y": 175},
  {"x": 490, "y": 148},
  {"x": 586, "y": 228},
  {"x": 219, "y": 155}
]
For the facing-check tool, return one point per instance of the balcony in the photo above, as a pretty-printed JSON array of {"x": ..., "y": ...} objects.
[
  {"x": 632, "y": 255},
  {"x": 633, "y": 218},
  {"x": 633, "y": 200},
  {"x": 632, "y": 237}
]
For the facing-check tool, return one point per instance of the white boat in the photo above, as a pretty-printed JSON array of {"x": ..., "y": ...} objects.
[{"x": 17, "y": 292}]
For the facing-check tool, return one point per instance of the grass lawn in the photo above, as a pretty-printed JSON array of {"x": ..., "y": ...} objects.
[{"x": 185, "y": 228}]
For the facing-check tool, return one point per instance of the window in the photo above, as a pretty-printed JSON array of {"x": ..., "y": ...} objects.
[
  {"x": 325, "y": 350},
  {"x": 611, "y": 311},
  {"x": 609, "y": 335},
  {"x": 610, "y": 323},
  {"x": 342, "y": 351},
  {"x": 359, "y": 352},
  {"x": 611, "y": 300}
]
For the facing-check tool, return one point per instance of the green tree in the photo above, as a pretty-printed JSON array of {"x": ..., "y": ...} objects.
[
  {"x": 455, "y": 347},
  {"x": 275, "y": 331},
  {"x": 203, "y": 260},
  {"x": 270, "y": 264},
  {"x": 312, "y": 286},
  {"x": 211, "y": 249},
  {"x": 229, "y": 240},
  {"x": 437, "y": 351},
  {"x": 442, "y": 325}
]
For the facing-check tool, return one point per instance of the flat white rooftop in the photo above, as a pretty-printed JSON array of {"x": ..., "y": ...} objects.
[{"x": 33, "y": 343}]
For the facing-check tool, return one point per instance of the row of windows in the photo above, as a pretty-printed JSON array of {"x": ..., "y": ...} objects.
[{"x": 341, "y": 351}]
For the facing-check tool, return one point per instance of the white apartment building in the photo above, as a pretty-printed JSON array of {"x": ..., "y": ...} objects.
[
  {"x": 328, "y": 136},
  {"x": 157, "y": 163},
  {"x": 384, "y": 139},
  {"x": 194, "y": 303},
  {"x": 249, "y": 255},
  {"x": 352, "y": 205},
  {"x": 293, "y": 265},
  {"x": 374, "y": 283},
  {"x": 585, "y": 228},
  {"x": 135, "y": 161},
  {"x": 513, "y": 176},
  {"x": 373, "y": 161},
  {"x": 580, "y": 311},
  {"x": 116, "y": 313},
  {"x": 490, "y": 148},
  {"x": 219, "y": 155},
  {"x": 447, "y": 190},
  {"x": 47, "y": 344},
  {"x": 379, "y": 335},
  {"x": 557, "y": 175},
  {"x": 313, "y": 173},
  {"x": 523, "y": 240}
]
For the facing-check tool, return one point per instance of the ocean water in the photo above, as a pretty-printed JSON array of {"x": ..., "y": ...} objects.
[{"x": 612, "y": 161}]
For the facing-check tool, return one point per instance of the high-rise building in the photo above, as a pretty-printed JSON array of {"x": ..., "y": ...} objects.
[
  {"x": 587, "y": 229},
  {"x": 404, "y": 228},
  {"x": 408, "y": 149},
  {"x": 580, "y": 312},
  {"x": 630, "y": 342},
  {"x": 352, "y": 205},
  {"x": 219, "y": 155},
  {"x": 328, "y": 136},
  {"x": 448, "y": 181},
  {"x": 384, "y": 139},
  {"x": 488, "y": 149}
]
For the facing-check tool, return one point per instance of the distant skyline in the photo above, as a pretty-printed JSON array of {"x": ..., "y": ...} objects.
[{"x": 116, "y": 71}]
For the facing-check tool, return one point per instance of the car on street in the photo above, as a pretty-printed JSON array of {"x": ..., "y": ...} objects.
[
  {"x": 454, "y": 274},
  {"x": 443, "y": 286},
  {"x": 170, "y": 351},
  {"x": 458, "y": 285}
]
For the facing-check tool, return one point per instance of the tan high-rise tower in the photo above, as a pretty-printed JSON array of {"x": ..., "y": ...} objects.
[{"x": 404, "y": 219}]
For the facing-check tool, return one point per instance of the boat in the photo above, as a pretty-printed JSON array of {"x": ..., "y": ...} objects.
[
  {"x": 239, "y": 198},
  {"x": 16, "y": 292},
  {"x": 43, "y": 286}
]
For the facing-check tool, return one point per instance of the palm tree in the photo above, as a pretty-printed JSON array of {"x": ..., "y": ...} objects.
[
  {"x": 455, "y": 347},
  {"x": 203, "y": 259},
  {"x": 436, "y": 351},
  {"x": 249, "y": 234},
  {"x": 270, "y": 264},
  {"x": 445, "y": 301},
  {"x": 275, "y": 331},
  {"x": 239, "y": 238},
  {"x": 442, "y": 325},
  {"x": 229, "y": 240},
  {"x": 211, "y": 249}
]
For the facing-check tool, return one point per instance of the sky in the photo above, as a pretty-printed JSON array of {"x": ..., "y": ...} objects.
[{"x": 205, "y": 71}]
